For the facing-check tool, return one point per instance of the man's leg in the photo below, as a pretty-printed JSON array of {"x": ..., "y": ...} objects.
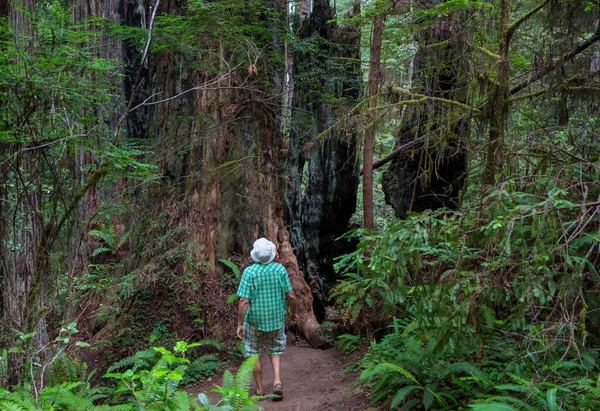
[
  {"x": 276, "y": 363},
  {"x": 276, "y": 345},
  {"x": 258, "y": 376},
  {"x": 252, "y": 344}
]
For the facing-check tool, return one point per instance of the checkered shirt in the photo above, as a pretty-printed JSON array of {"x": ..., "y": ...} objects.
[{"x": 265, "y": 285}]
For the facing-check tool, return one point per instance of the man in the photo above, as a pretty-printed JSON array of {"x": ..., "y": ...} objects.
[{"x": 263, "y": 292}]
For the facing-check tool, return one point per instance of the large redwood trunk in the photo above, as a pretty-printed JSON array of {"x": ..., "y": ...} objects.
[
  {"x": 239, "y": 195},
  {"x": 233, "y": 167}
]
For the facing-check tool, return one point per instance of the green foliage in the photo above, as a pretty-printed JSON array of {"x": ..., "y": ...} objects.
[
  {"x": 150, "y": 382},
  {"x": 70, "y": 396},
  {"x": 403, "y": 371},
  {"x": 347, "y": 343},
  {"x": 153, "y": 377},
  {"x": 193, "y": 370},
  {"x": 234, "y": 392},
  {"x": 201, "y": 368},
  {"x": 493, "y": 304},
  {"x": 233, "y": 267}
]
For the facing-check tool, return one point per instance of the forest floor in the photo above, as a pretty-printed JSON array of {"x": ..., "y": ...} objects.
[{"x": 312, "y": 379}]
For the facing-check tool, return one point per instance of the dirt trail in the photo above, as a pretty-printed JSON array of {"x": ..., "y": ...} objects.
[{"x": 313, "y": 380}]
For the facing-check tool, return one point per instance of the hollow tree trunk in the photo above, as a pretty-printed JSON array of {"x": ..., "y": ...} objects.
[
  {"x": 429, "y": 177},
  {"x": 322, "y": 166}
]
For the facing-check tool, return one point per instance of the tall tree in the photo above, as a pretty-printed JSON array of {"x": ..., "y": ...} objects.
[{"x": 369, "y": 142}]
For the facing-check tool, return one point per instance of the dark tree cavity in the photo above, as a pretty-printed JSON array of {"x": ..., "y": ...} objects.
[
  {"x": 431, "y": 174},
  {"x": 322, "y": 167}
]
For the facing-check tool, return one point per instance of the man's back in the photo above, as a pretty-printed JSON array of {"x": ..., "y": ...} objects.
[{"x": 265, "y": 285}]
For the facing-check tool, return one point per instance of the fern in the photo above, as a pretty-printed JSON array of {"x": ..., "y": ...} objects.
[
  {"x": 234, "y": 392},
  {"x": 233, "y": 267},
  {"x": 8, "y": 405},
  {"x": 403, "y": 393},
  {"x": 347, "y": 343},
  {"x": 462, "y": 367},
  {"x": 508, "y": 401},
  {"x": 145, "y": 358},
  {"x": 387, "y": 368},
  {"x": 493, "y": 406}
]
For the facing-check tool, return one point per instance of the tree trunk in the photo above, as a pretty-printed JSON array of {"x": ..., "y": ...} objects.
[
  {"x": 496, "y": 107},
  {"x": 322, "y": 166},
  {"x": 369, "y": 143},
  {"x": 430, "y": 172}
]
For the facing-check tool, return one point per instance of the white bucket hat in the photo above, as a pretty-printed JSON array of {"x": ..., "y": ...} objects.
[{"x": 263, "y": 251}]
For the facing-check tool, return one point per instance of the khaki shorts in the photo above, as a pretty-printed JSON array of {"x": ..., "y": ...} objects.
[{"x": 256, "y": 340}]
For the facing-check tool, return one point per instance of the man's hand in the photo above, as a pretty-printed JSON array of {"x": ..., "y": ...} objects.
[
  {"x": 242, "y": 308},
  {"x": 240, "y": 331},
  {"x": 291, "y": 300}
]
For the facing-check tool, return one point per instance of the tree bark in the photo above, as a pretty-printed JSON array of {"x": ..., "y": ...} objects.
[
  {"x": 496, "y": 106},
  {"x": 321, "y": 164},
  {"x": 369, "y": 143}
]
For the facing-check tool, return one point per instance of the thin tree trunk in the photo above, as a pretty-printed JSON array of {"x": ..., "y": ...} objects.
[
  {"x": 369, "y": 143},
  {"x": 497, "y": 99}
]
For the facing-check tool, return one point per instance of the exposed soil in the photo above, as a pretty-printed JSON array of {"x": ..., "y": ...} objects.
[{"x": 312, "y": 379}]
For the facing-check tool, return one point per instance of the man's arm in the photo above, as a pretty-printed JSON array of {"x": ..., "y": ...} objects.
[
  {"x": 242, "y": 308},
  {"x": 291, "y": 300}
]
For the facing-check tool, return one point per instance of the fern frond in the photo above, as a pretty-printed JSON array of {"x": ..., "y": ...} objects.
[
  {"x": 63, "y": 396},
  {"x": 123, "y": 239},
  {"x": 145, "y": 358},
  {"x": 243, "y": 378},
  {"x": 403, "y": 393},
  {"x": 228, "y": 381},
  {"x": 211, "y": 342},
  {"x": 7, "y": 405},
  {"x": 108, "y": 237},
  {"x": 179, "y": 401},
  {"x": 233, "y": 267},
  {"x": 429, "y": 396},
  {"x": 387, "y": 368},
  {"x": 492, "y": 406},
  {"x": 517, "y": 402},
  {"x": 512, "y": 387}
]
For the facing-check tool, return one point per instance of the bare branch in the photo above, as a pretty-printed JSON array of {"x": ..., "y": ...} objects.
[{"x": 396, "y": 153}]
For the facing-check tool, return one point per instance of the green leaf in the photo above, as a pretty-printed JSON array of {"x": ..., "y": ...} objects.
[
  {"x": 232, "y": 298},
  {"x": 233, "y": 266},
  {"x": 493, "y": 406},
  {"x": 551, "y": 399}
]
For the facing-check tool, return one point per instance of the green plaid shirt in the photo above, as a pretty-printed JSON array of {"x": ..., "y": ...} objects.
[{"x": 265, "y": 285}]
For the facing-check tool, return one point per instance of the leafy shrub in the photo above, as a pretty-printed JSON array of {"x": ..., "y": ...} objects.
[{"x": 493, "y": 300}]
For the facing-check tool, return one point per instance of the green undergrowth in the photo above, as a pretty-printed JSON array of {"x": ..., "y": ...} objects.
[
  {"x": 494, "y": 307},
  {"x": 151, "y": 380}
]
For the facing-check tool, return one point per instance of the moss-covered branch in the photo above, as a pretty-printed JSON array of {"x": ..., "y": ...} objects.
[{"x": 515, "y": 25}]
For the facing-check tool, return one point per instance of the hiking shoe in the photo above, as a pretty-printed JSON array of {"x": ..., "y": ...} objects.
[{"x": 277, "y": 392}]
